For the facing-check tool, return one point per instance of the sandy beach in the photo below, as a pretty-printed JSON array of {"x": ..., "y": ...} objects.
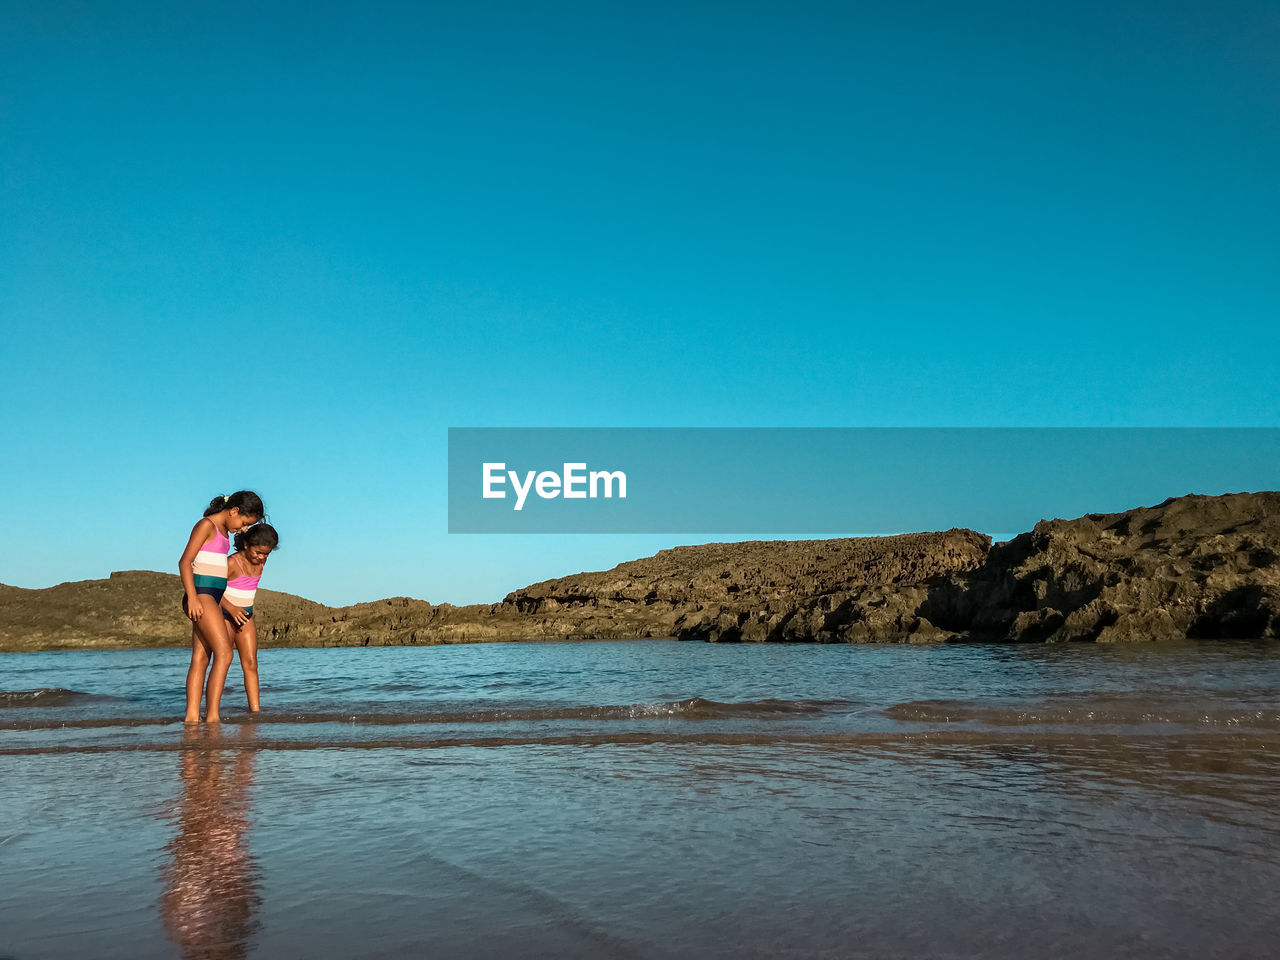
[{"x": 650, "y": 799}]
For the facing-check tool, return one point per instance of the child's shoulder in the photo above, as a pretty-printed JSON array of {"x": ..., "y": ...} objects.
[{"x": 241, "y": 561}]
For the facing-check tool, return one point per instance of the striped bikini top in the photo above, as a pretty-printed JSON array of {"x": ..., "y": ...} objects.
[
  {"x": 241, "y": 590},
  {"x": 211, "y": 561}
]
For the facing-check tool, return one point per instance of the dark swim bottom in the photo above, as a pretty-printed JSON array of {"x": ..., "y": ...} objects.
[
  {"x": 214, "y": 592},
  {"x": 210, "y": 586},
  {"x": 248, "y": 612}
]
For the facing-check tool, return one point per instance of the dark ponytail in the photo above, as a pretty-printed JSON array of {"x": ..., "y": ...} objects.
[
  {"x": 259, "y": 535},
  {"x": 246, "y": 501}
]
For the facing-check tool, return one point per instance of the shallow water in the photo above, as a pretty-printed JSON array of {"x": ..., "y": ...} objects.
[{"x": 647, "y": 799}]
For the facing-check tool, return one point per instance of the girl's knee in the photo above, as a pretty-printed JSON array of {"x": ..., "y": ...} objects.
[{"x": 250, "y": 664}]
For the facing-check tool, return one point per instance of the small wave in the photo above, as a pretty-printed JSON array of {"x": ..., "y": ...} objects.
[
  {"x": 1102, "y": 712},
  {"x": 694, "y": 708},
  {"x": 1212, "y": 749},
  {"x": 44, "y": 697}
]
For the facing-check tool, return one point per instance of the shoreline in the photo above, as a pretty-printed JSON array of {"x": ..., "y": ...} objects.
[
  {"x": 1194, "y": 567},
  {"x": 1160, "y": 643}
]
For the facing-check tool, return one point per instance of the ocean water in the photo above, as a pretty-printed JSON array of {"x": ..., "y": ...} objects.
[{"x": 647, "y": 799}]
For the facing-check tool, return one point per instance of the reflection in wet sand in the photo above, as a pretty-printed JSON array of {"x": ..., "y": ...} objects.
[
  {"x": 665, "y": 800},
  {"x": 210, "y": 898}
]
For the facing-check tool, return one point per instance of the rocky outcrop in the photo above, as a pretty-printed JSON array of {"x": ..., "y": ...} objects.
[
  {"x": 1194, "y": 566},
  {"x": 131, "y": 608},
  {"x": 844, "y": 590}
]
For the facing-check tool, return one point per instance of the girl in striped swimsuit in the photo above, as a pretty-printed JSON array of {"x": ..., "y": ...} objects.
[
  {"x": 252, "y": 549},
  {"x": 203, "y": 568}
]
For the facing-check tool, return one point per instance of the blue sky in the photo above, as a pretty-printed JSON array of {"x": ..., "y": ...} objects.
[{"x": 286, "y": 246}]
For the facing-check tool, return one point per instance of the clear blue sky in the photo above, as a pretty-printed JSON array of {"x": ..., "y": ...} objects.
[{"x": 286, "y": 245}]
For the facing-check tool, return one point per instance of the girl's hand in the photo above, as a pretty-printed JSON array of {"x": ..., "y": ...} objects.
[
  {"x": 237, "y": 614},
  {"x": 199, "y": 535}
]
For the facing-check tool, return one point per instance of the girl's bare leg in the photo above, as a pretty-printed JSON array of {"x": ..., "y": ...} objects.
[
  {"x": 246, "y": 639},
  {"x": 195, "y": 675},
  {"x": 213, "y": 632}
]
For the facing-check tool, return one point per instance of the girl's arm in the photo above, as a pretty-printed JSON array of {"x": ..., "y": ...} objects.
[
  {"x": 199, "y": 535},
  {"x": 237, "y": 613}
]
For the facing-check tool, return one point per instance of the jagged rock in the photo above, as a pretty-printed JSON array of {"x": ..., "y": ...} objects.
[
  {"x": 1195, "y": 566},
  {"x": 854, "y": 589}
]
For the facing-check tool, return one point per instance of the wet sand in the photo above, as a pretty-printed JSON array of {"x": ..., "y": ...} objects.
[{"x": 982, "y": 803}]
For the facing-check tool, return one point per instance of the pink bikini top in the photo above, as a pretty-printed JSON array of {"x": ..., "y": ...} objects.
[{"x": 241, "y": 589}]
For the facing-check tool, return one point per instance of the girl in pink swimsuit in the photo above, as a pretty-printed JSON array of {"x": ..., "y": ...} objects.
[
  {"x": 203, "y": 568},
  {"x": 244, "y": 567}
]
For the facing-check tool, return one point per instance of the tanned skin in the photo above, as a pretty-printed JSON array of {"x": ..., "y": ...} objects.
[
  {"x": 247, "y": 563},
  {"x": 209, "y": 639}
]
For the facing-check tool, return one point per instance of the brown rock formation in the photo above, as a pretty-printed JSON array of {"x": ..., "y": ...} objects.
[
  {"x": 852, "y": 589},
  {"x": 131, "y": 608},
  {"x": 1195, "y": 566}
]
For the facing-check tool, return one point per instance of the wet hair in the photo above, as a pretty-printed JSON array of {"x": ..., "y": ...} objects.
[
  {"x": 246, "y": 501},
  {"x": 259, "y": 535}
]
